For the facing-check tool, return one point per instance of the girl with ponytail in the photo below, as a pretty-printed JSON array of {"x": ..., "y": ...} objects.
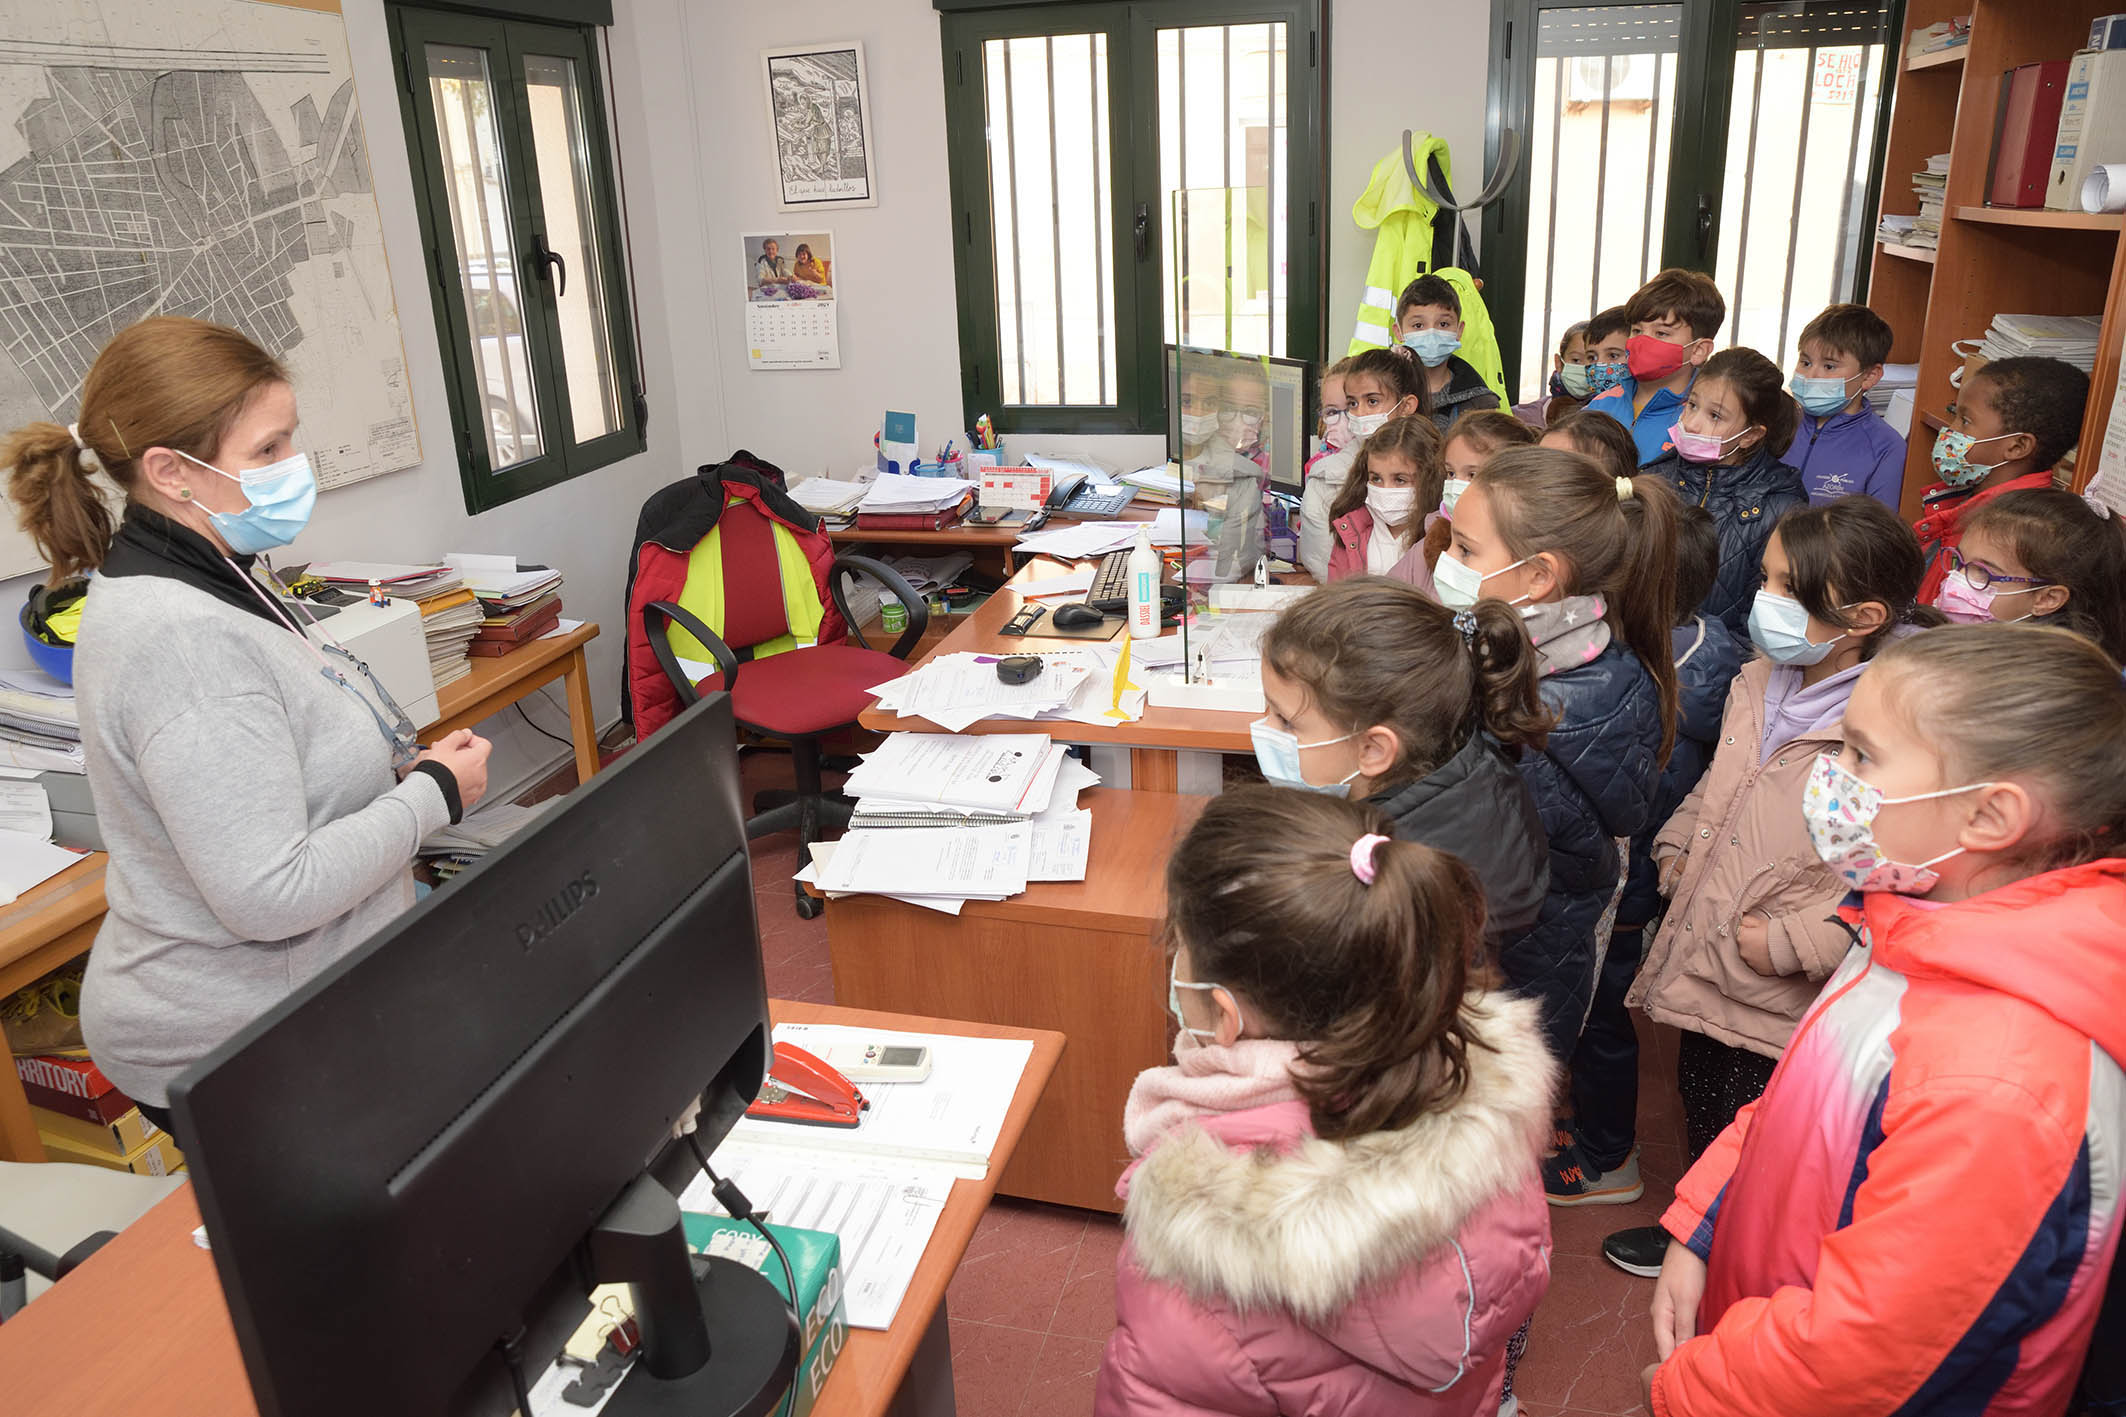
[
  {"x": 1344, "y": 1150},
  {"x": 1381, "y": 693},
  {"x": 1588, "y": 560}
]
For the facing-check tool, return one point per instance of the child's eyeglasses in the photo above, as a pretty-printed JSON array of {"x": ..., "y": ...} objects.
[{"x": 1980, "y": 578}]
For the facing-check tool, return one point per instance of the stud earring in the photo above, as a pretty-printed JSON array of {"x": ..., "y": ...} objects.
[{"x": 185, "y": 493}]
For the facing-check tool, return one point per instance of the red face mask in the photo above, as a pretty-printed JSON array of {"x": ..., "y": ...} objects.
[{"x": 1655, "y": 359}]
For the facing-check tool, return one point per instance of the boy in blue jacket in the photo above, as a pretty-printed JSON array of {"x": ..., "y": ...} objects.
[
  {"x": 1673, "y": 319},
  {"x": 1843, "y": 447}
]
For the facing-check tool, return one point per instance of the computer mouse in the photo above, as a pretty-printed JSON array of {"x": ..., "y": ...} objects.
[{"x": 1075, "y": 616}]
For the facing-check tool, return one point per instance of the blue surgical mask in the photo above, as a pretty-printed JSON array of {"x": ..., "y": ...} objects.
[
  {"x": 1821, "y": 397},
  {"x": 1432, "y": 347},
  {"x": 1780, "y": 627},
  {"x": 1601, "y": 378},
  {"x": 281, "y": 495},
  {"x": 1277, "y": 754}
]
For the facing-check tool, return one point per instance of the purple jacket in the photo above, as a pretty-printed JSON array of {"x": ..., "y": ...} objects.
[
  {"x": 1848, "y": 454},
  {"x": 1268, "y": 1271}
]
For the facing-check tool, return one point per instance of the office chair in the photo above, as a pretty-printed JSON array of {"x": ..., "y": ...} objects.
[{"x": 800, "y": 694}]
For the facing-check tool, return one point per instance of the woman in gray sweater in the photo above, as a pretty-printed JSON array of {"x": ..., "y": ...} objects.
[{"x": 261, "y": 813}]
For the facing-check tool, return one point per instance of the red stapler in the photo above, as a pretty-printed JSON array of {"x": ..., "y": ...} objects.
[{"x": 802, "y": 1089}]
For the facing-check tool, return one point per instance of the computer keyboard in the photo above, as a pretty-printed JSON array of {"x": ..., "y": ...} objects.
[{"x": 1110, "y": 588}]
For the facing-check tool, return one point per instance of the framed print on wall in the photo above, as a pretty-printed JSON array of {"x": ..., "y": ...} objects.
[{"x": 819, "y": 118}]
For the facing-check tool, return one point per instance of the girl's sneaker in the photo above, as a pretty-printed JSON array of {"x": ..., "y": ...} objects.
[
  {"x": 1638, "y": 1250},
  {"x": 1567, "y": 1181}
]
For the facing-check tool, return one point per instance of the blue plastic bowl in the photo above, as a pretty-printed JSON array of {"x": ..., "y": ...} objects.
[{"x": 55, "y": 660}]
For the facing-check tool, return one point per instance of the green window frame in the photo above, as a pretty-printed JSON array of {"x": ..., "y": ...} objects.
[
  {"x": 1132, "y": 256},
  {"x": 509, "y": 380}
]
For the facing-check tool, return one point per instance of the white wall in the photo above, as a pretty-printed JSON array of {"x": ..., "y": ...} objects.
[
  {"x": 582, "y": 527},
  {"x": 893, "y": 262}
]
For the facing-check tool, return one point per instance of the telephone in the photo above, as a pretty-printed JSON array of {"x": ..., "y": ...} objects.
[{"x": 1066, "y": 487}]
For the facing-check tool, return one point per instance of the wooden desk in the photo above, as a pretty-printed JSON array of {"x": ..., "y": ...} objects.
[
  {"x": 495, "y": 684},
  {"x": 1080, "y": 957},
  {"x": 52, "y": 923},
  {"x": 1153, "y": 740},
  {"x": 146, "y": 1315},
  {"x": 992, "y": 545}
]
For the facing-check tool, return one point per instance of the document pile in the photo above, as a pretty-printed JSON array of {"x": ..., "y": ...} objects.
[
  {"x": 1158, "y": 483},
  {"x": 1086, "y": 539},
  {"x": 942, "y": 819},
  {"x": 453, "y": 848},
  {"x": 955, "y": 691},
  {"x": 830, "y": 499},
  {"x": 40, "y": 728},
  {"x": 450, "y": 613},
  {"x": 900, "y": 495},
  {"x": 2072, "y": 338}
]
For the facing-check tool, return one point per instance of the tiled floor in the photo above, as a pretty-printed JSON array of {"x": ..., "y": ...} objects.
[{"x": 1033, "y": 1302}]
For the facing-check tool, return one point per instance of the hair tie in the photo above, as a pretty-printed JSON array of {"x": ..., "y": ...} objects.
[
  {"x": 2098, "y": 505},
  {"x": 1625, "y": 491},
  {"x": 83, "y": 453},
  {"x": 1465, "y": 622},
  {"x": 1362, "y": 857}
]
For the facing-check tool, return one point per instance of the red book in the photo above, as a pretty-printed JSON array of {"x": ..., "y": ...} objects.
[
  {"x": 938, "y": 521},
  {"x": 528, "y": 628},
  {"x": 2026, "y": 128},
  {"x": 105, "y": 1109},
  {"x": 75, "y": 1077}
]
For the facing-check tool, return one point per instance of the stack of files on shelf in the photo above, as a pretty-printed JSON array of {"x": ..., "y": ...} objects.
[
  {"x": 896, "y": 501},
  {"x": 1942, "y": 34},
  {"x": 40, "y": 727},
  {"x": 396, "y": 578},
  {"x": 2072, "y": 338},
  {"x": 929, "y": 573},
  {"x": 502, "y": 630},
  {"x": 1157, "y": 483},
  {"x": 1005, "y": 813},
  {"x": 880, "y": 1185},
  {"x": 1895, "y": 379},
  {"x": 516, "y": 603},
  {"x": 1929, "y": 186},
  {"x": 453, "y": 848},
  {"x": 449, "y": 621},
  {"x": 1895, "y": 228},
  {"x": 955, "y": 691},
  {"x": 830, "y": 499}
]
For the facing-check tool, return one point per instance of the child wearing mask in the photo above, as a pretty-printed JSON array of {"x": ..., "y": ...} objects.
[
  {"x": 1326, "y": 473},
  {"x": 2044, "y": 557},
  {"x": 1428, "y": 323},
  {"x": 1673, "y": 318},
  {"x": 1735, "y": 422},
  {"x": 1475, "y": 438},
  {"x": 1589, "y": 561},
  {"x": 1609, "y": 350},
  {"x": 1921, "y": 1212},
  {"x": 1605, "y": 1064},
  {"x": 1333, "y": 1205},
  {"x": 1568, "y": 381},
  {"x": 1378, "y": 385},
  {"x": 1380, "y": 693},
  {"x": 1844, "y": 448},
  {"x": 2013, "y": 419},
  {"x": 1600, "y": 437},
  {"x": 1749, "y": 936},
  {"x": 1379, "y": 517}
]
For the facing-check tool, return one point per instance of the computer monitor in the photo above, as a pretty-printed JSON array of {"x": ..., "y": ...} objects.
[
  {"x": 1263, "y": 408},
  {"x": 444, "y": 1139}
]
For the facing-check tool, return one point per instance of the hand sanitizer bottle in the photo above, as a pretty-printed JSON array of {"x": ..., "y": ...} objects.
[{"x": 1143, "y": 587}]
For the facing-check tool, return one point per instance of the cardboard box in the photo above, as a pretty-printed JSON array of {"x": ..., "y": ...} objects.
[
  {"x": 104, "y": 1107},
  {"x": 159, "y": 1156},
  {"x": 76, "y": 1077},
  {"x": 128, "y": 1133},
  {"x": 815, "y": 1258}
]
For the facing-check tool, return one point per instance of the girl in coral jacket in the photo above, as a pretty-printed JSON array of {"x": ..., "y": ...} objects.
[
  {"x": 1920, "y": 1213},
  {"x": 1336, "y": 1204}
]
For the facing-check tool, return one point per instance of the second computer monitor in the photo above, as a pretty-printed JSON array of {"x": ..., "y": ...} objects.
[{"x": 1252, "y": 406}]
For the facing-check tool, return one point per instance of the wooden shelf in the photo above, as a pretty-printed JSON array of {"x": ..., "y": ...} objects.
[
  {"x": 1939, "y": 59},
  {"x": 2040, "y": 217},
  {"x": 1909, "y": 253}
]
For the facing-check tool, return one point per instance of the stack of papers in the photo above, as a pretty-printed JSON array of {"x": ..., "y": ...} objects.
[
  {"x": 830, "y": 499},
  {"x": 955, "y": 691},
  {"x": 457, "y": 847},
  {"x": 40, "y": 727},
  {"x": 2072, "y": 338},
  {"x": 397, "y": 579},
  {"x": 928, "y": 573},
  {"x": 1896, "y": 379},
  {"x": 897, "y": 493},
  {"x": 500, "y": 582},
  {"x": 1158, "y": 483},
  {"x": 942, "y": 819},
  {"x": 1078, "y": 540}
]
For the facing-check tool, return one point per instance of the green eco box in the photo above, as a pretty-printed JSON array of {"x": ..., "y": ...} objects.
[{"x": 816, "y": 1260}]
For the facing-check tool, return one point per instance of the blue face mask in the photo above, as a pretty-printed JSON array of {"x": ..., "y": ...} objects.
[
  {"x": 1432, "y": 347},
  {"x": 1277, "y": 754},
  {"x": 281, "y": 495},
  {"x": 1601, "y": 378},
  {"x": 1821, "y": 397},
  {"x": 1780, "y": 627}
]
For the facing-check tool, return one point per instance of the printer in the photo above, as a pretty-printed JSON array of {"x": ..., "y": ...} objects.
[{"x": 387, "y": 638}]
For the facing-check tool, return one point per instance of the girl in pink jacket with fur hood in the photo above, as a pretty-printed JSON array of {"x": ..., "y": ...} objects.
[{"x": 1337, "y": 1203}]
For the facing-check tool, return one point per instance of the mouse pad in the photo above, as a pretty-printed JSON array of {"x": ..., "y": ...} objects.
[{"x": 1047, "y": 628}]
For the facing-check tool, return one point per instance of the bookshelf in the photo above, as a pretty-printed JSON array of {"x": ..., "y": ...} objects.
[{"x": 1989, "y": 260}]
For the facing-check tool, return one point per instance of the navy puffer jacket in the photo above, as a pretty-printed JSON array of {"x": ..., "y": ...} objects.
[
  {"x": 1476, "y": 806},
  {"x": 1593, "y": 782},
  {"x": 1707, "y": 661},
  {"x": 1746, "y": 501}
]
